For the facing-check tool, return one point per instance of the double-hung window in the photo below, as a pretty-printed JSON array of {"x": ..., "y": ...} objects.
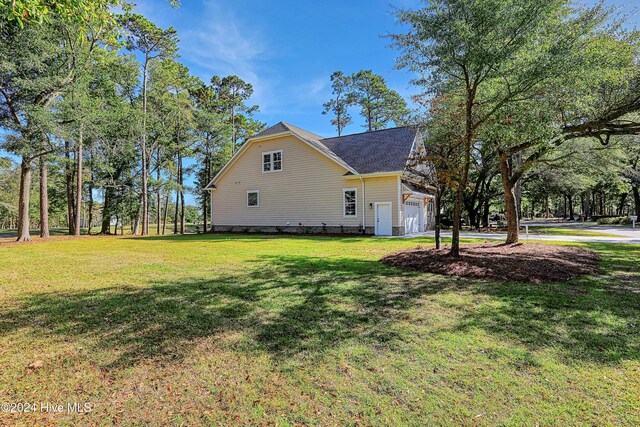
[
  {"x": 272, "y": 161},
  {"x": 349, "y": 202}
]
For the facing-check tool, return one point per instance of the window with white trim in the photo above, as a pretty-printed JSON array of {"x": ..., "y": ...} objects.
[
  {"x": 253, "y": 198},
  {"x": 272, "y": 161},
  {"x": 349, "y": 202}
]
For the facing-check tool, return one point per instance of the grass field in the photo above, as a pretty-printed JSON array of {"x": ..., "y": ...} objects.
[{"x": 255, "y": 330}]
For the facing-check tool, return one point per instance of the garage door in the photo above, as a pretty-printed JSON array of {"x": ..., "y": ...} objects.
[{"x": 412, "y": 216}]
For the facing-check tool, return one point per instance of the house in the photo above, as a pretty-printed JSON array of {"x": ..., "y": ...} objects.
[{"x": 286, "y": 179}]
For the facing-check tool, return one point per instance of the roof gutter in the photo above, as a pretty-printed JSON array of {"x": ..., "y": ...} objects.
[{"x": 372, "y": 175}]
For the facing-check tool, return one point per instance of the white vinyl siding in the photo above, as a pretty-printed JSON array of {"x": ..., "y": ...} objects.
[
  {"x": 308, "y": 191},
  {"x": 380, "y": 189}
]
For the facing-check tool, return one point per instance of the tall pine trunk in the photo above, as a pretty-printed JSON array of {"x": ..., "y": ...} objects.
[
  {"x": 158, "y": 196},
  {"x": 23, "y": 204},
  {"x": 68, "y": 174},
  {"x": 205, "y": 195},
  {"x": 90, "y": 183},
  {"x": 166, "y": 211},
  {"x": 136, "y": 221},
  {"x": 78, "y": 186},
  {"x": 510, "y": 200},
  {"x": 44, "y": 198},
  {"x": 145, "y": 178},
  {"x": 176, "y": 210}
]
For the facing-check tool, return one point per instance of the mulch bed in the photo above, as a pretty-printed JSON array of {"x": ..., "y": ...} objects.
[{"x": 497, "y": 261}]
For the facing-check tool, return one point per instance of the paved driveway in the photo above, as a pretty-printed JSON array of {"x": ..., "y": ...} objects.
[{"x": 628, "y": 236}]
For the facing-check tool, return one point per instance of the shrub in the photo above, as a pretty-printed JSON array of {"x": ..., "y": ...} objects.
[{"x": 624, "y": 220}]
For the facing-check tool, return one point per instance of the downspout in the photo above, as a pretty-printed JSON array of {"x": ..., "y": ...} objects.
[{"x": 364, "y": 212}]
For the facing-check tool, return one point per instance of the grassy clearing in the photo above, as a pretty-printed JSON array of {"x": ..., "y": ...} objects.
[
  {"x": 250, "y": 330},
  {"x": 559, "y": 231},
  {"x": 62, "y": 231}
]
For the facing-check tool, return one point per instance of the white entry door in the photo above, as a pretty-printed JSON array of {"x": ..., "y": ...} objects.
[
  {"x": 412, "y": 216},
  {"x": 383, "y": 219}
]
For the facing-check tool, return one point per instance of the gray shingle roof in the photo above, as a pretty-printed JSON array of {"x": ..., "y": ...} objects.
[
  {"x": 378, "y": 151},
  {"x": 416, "y": 188},
  {"x": 368, "y": 152}
]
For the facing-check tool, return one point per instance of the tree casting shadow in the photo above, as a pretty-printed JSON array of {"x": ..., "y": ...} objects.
[{"x": 287, "y": 305}]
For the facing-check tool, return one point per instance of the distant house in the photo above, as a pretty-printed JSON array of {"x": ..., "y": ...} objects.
[{"x": 286, "y": 179}]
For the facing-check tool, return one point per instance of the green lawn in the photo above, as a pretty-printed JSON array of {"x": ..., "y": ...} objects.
[{"x": 255, "y": 330}]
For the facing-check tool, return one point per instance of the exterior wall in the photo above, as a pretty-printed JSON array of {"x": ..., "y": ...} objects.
[
  {"x": 291, "y": 229},
  {"x": 305, "y": 197},
  {"x": 396, "y": 231},
  {"x": 379, "y": 189}
]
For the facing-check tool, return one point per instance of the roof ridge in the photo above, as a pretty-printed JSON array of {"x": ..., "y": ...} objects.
[
  {"x": 370, "y": 131},
  {"x": 290, "y": 126}
]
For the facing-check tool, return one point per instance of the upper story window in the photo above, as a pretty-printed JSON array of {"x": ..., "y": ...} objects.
[
  {"x": 349, "y": 202},
  {"x": 272, "y": 161}
]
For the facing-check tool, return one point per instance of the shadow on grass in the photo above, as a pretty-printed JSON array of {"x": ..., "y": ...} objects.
[{"x": 287, "y": 305}]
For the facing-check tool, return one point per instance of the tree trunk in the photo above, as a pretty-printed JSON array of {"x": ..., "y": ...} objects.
[
  {"x": 586, "y": 205},
  {"x": 23, "y": 204},
  {"x": 546, "y": 206},
  {"x": 78, "y": 186},
  {"x": 517, "y": 189},
  {"x": 106, "y": 211},
  {"x": 166, "y": 211},
  {"x": 91, "y": 180},
  {"x": 485, "y": 213},
  {"x": 44, "y": 198},
  {"x": 182, "y": 218},
  {"x": 136, "y": 222},
  {"x": 636, "y": 198},
  {"x": 462, "y": 185},
  {"x": 182, "y": 212},
  {"x": 159, "y": 196},
  {"x": 175, "y": 213},
  {"x": 438, "y": 218},
  {"x": 68, "y": 174},
  {"x": 472, "y": 217},
  {"x": 621, "y": 205},
  {"x": 510, "y": 201},
  {"x": 145, "y": 178},
  {"x": 181, "y": 178},
  {"x": 205, "y": 196},
  {"x": 570, "y": 198}
]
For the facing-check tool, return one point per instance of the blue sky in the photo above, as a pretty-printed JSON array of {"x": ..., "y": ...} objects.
[{"x": 287, "y": 49}]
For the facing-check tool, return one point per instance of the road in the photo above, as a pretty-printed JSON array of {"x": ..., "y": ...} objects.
[{"x": 626, "y": 235}]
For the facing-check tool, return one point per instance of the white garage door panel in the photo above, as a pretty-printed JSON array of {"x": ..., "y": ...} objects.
[{"x": 412, "y": 217}]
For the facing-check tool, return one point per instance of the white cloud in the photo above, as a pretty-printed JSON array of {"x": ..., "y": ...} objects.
[{"x": 215, "y": 40}]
